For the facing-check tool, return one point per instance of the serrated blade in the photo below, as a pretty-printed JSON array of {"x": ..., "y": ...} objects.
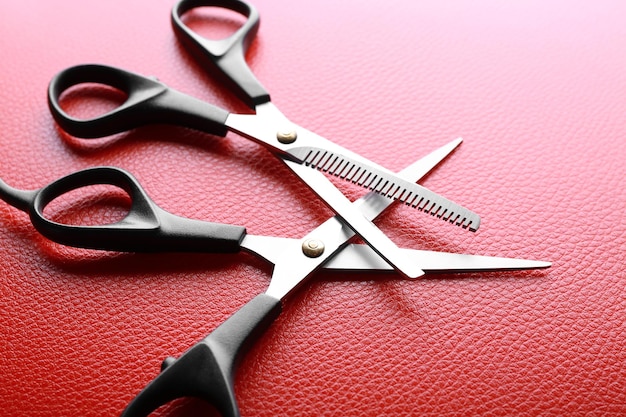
[
  {"x": 387, "y": 184},
  {"x": 272, "y": 129}
]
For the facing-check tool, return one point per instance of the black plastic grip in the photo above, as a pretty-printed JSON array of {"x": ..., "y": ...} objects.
[
  {"x": 206, "y": 371},
  {"x": 149, "y": 101},
  {"x": 224, "y": 57},
  {"x": 146, "y": 227},
  {"x": 20, "y": 199}
]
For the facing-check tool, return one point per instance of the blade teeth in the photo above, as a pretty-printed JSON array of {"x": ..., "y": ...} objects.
[
  {"x": 366, "y": 175},
  {"x": 406, "y": 195},
  {"x": 474, "y": 224},
  {"x": 453, "y": 217},
  {"x": 397, "y": 192},
  {"x": 448, "y": 216},
  {"x": 409, "y": 201},
  {"x": 319, "y": 159},
  {"x": 431, "y": 208},
  {"x": 307, "y": 158},
  {"x": 355, "y": 173},
  {"x": 413, "y": 201},
  {"x": 353, "y": 169},
  {"x": 362, "y": 178},
  {"x": 335, "y": 165},
  {"x": 310, "y": 158},
  {"x": 375, "y": 183},
  {"x": 346, "y": 169},
  {"x": 434, "y": 211},
  {"x": 387, "y": 189},
  {"x": 380, "y": 186},
  {"x": 442, "y": 210},
  {"x": 341, "y": 168},
  {"x": 330, "y": 161},
  {"x": 371, "y": 179}
]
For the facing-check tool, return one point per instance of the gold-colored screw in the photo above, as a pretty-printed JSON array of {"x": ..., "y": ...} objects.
[
  {"x": 313, "y": 248},
  {"x": 287, "y": 136}
]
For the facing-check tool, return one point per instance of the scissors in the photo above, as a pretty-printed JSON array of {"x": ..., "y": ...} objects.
[
  {"x": 207, "y": 369},
  {"x": 149, "y": 101}
]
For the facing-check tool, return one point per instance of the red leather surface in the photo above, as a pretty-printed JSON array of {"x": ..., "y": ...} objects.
[{"x": 536, "y": 89}]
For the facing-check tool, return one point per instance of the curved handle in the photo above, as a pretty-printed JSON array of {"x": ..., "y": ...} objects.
[
  {"x": 149, "y": 101},
  {"x": 20, "y": 199},
  {"x": 206, "y": 370},
  {"x": 146, "y": 227},
  {"x": 227, "y": 56}
]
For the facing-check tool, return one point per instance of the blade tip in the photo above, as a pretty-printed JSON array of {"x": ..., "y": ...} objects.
[
  {"x": 543, "y": 264},
  {"x": 474, "y": 224}
]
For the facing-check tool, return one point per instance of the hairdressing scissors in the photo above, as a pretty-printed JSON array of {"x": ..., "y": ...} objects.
[
  {"x": 150, "y": 101},
  {"x": 207, "y": 369}
]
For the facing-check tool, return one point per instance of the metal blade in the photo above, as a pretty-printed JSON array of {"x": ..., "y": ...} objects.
[
  {"x": 352, "y": 217},
  {"x": 371, "y": 205},
  {"x": 387, "y": 184},
  {"x": 268, "y": 128},
  {"x": 333, "y": 233},
  {"x": 356, "y": 257},
  {"x": 272, "y": 129}
]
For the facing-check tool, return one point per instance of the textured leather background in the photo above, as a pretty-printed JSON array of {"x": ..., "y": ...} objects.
[{"x": 537, "y": 90}]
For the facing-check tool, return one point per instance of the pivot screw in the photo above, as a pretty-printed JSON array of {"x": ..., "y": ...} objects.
[
  {"x": 287, "y": 136},
  {"x": 313, "y": 248}
]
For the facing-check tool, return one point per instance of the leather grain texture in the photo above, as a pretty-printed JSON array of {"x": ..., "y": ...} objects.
[{"x": 536, "y": 89}]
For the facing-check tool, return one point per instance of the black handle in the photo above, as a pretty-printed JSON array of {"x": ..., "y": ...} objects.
[
  {"x": 149, "y": 101},
  {"x": 146, "y": 227},
  {"x": 225, "y": 55},
  {"x": 20, "y": 199},
  {"x": 206, "y": 371}
]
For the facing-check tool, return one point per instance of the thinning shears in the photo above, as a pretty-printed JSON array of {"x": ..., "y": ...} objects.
[
  {"x": 150, "y": 101},
  {"x": 207, "y": 369}
]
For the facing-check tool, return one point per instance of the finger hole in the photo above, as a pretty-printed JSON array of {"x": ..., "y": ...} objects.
[
  {"x": 92, "y": 205},
  {"x": 213, "y": 23},
  {"x": 89, "y": 101}
]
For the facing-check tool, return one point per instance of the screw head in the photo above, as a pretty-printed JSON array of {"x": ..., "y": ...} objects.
[
  {"x": 286, "y": 136},
  {"x": 313, "y": 248}
]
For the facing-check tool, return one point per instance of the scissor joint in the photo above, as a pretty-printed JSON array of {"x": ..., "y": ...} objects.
[
  {"x": 286, "y": 136},
  {"x": 313, "y": 248}
]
